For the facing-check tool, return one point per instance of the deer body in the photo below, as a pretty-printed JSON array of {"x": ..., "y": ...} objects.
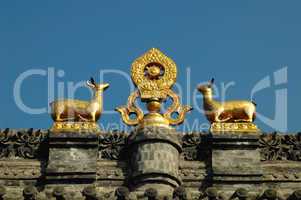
[
  {"x": 229, "y": 111},
  {"x": 77, "y": 110}
]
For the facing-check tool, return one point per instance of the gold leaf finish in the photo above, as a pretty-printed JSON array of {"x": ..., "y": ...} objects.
[
  {"x": 153, "y": 74},
  {"x": 176, "y": 108},
  {"x": 131, "y": 109},
  {"x": 71, "y": 115},
  {"x": 229, "y": 127},
  {"x": 231, "y": 116},
  {"x": 71, "y": 127}
]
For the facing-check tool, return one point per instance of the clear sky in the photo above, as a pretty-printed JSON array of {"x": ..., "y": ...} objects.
[{"x": 233, "y": 41}]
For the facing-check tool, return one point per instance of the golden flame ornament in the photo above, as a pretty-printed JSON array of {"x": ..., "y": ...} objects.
[{"x": 153, "y": 74}]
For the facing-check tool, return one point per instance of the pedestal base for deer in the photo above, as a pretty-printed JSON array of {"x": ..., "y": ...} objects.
[
  {"x": 229, "y": 127},
  {"x": 75, "y": 127},
  {"x": 235, "y": 161}
]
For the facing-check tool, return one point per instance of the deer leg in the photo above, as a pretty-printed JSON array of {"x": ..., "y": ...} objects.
[
  {"x": 249, "y": 112},
  {"x": 93, "y": 115},
  {"x": 58, "y": 117},
  {"x": 217, "y": 114},
  {"x": 59, "y": 112}
]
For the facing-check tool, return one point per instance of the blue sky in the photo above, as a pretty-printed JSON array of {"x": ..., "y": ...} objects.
[{"x": 239, "y": 41}]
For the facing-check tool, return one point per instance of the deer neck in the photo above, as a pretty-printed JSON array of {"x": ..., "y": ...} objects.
[
  {"x": 97, "y": 96},
  {"x": 207, "y": 96},
  {"x": 209, "y": 102}
]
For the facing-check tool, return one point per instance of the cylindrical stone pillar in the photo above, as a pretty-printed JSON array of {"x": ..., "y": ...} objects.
[{"x": 154, "y": 159}]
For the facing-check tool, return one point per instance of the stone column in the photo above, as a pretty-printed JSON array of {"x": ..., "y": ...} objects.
[
  {"x": 235, "y": 160},
  {"x": 72, "y": 158},
  {"x": 154, "y": 159}
]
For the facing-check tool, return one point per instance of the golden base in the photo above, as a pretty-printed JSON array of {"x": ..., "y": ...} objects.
[
  {"x": 154, "y": 119},
  {"x": 74, "y": 127},
  {"x": 238, "y": 127}
]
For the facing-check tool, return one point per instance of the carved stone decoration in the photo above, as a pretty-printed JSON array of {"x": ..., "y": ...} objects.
[
  {"x": 5, "y": 146},
  {"x": 179, "y": 194},
  {"x": 191, "y": 146},
  {"x": 241, "y": 194},
  {"x": 122, "y": 193},
  {"x": 30, "y": 193},
  {"x": 111, "y": 145},
  {"x": 2, "y": 192},
  {"x": 89, "y": 193},
  {"x": 21, "y": 169},
  {"x": 151, "y": 194},
  {"x": 195, "y": 146},
  {"x": 270, "y": 147},
  {"x": 269, "y": 194},
  {"x": 118, "y": 156},
  {"x": 294, "y": 143},
  {"x": 280, "y": 147},
  {"x": 296, "y": 195},
  {"x": 59, "y": 193},
  {"x": 211, "y": 193},
  {"x": 23, "y": 143}
]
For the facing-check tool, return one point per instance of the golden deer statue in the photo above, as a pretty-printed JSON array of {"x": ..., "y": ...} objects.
[
  {"x": 229, "y": 111},
  {"x": 80, "y": 111}
]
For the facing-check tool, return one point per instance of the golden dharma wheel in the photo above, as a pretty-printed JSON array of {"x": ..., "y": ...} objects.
[{"x": 154, "y": 73}]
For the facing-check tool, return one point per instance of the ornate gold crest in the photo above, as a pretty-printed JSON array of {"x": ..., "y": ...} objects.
[{"x": 154, "y": 74}]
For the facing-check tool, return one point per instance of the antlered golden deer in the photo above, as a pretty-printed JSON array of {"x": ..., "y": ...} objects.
[
  {"x": 77, "y": 110},
  {"x": 229, "y": 111}
]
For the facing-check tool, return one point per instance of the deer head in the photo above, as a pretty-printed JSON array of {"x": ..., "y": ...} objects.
[
  {"x": 206, "y": 88},
  {"x": 98, "y": 87}
]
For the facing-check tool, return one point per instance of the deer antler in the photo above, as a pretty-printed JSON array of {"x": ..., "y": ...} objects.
[
  {"x": 91, "y": 83},
  {"x": 92, "y": 80}
]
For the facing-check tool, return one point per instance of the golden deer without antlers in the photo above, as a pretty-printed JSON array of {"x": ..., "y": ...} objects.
[
  {"x": 77, "y": 110},
  {"x": 229, "y": 111}
]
